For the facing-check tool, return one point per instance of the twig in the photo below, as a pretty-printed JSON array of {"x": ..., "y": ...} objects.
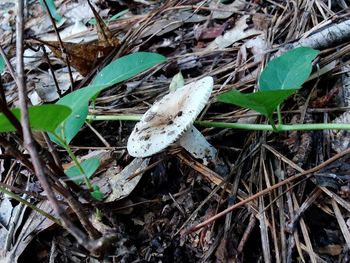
[
  {"x": 103, "y": 140},
  {"x": 342, "y": 224},
  {"x": 327, "y": 37},
  {"x": 267, "y": 190},
  {"x": 299, "y": 211},
  {"x": 58, "y": 90},
  {"x": 13, "y": 151},
  {"x": 247, "y": 232},
  {"x": 8, "y": 64},
  {"x": 63, "y": 51},
  {"x": 52, "y": 150}
]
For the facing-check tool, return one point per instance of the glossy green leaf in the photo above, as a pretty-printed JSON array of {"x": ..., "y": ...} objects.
[
  {"x": 92, "y": 21},
  {"x": 119, "y": 70},
  {"x": 78, "y": 101},
  {"x": 97, "y": 194},
  {"x": 126, "y": 67},
  {"x": 42, "y": 118},
  {"x": 89, "y": 166},
  {"x": 288, "y": 71},
  {"x": 264, "y": 102},
  {"x": 2, "y": 64},
  {"x": 118, "y": 15}
]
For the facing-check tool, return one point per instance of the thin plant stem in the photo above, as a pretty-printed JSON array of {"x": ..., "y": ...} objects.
[
  {"x": 30, "y": 205},
  {"x": 58, "y": 90},
  {"x": 306, "y": 174},
  {"x": 65, "y": 56},
  {"x": 282, "y": 128},
  {"x": 75, "y": 160},
  {"x": 134, "y": 117},
  {"x": 242, "y": 126}
]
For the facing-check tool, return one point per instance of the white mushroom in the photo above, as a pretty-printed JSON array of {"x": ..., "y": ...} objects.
[{"x": 170, "y": 119}]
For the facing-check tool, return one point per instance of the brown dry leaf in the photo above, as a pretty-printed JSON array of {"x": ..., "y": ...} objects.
[
  {"x": 240, "y": 31},
  {"x": 210, "y": 32},
  {"x": 333, "y": 250},
  {"x": 83, "y": 57}
]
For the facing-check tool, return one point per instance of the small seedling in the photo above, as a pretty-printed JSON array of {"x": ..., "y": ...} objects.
[
  {"x": 281, "y": 78},
  {"x": 64, "y": 119},
  {"x": 119, "y": 70}
]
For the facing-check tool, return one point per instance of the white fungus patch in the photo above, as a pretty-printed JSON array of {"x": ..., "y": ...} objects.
[{"x": 169, "y": 118}]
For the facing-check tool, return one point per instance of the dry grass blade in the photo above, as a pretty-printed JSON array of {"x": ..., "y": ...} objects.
[{"x": 343, "y": 226}]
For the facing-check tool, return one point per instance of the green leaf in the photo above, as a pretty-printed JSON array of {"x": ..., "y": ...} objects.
[
  {"x": 79, "y": 103},
  {"x": 288, "y": 71},
  {"x": 2, "y": 64},
  {"x": 89, "y": 166},
  {"x": 97, "y": 194},
  {"x": 116, "y": 16},
  {"x": 92, "y": 21},
  {"x": 52, "y": 9},
  {"x": 119, "y": 70},
  {"x": 264, "y": 102},
  {"x": 126, "y": 67},
  {"x": 42, "y": 118}
]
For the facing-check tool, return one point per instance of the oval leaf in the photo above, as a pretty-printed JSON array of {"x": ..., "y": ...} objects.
[
  {"x": 119, "y": 70},
  {"x": 89, "y": 166},
  {"x": 264, "y": 102},
  {"x": 126, "y": 67},
  {"x": 79, "y": 103},
  {"x": 288, "y": 71},
  {"x": 97, "y": 194},
  {"x": 42, "y": 118}
]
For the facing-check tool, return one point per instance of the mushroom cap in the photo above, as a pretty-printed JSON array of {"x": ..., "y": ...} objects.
[{"x": 169, "y": 118}]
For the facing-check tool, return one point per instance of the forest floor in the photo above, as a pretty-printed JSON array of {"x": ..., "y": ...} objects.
[{"x": 150, "y": 205}]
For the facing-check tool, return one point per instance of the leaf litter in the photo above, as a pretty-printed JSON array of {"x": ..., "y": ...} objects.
[{"x": 230, "y": 41}]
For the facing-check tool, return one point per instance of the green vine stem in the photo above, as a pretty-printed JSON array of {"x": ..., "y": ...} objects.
[
  {"x": 25, "y": 202},
  {"x": 281, "y": 128},
  {"x": 135, "y": 117},
  {"x": 75, "y": 160},
  {"x": 243, "y": 126}
]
